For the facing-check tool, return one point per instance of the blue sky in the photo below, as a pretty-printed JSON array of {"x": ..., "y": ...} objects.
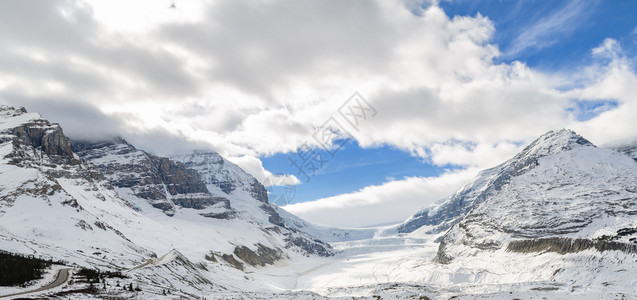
[
  {"x": 565, "y": 31},
  {"x": 350, "y": 169},
  {"x": 551, "y": 36}
]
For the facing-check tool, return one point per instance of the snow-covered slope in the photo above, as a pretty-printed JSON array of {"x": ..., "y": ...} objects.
[
  {"x": 628, "y": 149},
  {"x": 51, "y": 202},
  {"x": 450, "y": 210},
  {"x": 561, "y": 186}
]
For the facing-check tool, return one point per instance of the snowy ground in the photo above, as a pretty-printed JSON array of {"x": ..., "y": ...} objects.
[{"x": 399, "y": 267}]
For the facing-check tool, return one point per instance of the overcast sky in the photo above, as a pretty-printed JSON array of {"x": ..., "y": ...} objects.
[{"x": 455, "y": 86}]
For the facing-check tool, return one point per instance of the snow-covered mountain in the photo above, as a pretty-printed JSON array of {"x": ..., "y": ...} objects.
[
  {"x": 109, "y": 205},
  {"x": 450, "y": 210},
  {"x": 51, "y": 202},
  {"x": 559, "y": 186}
]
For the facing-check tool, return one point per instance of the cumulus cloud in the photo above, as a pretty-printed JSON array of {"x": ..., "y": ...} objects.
[
  {"x": 369, "y": 206},
  {"x": 612, "y": 78},
  {"x": 479, "y": 156}
]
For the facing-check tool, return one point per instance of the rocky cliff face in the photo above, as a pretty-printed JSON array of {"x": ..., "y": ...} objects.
[
  {"x": 223, "y": 174},
  {"x": 227, "y": 179},
  {"x": 40, "y": 136},
  {"x": 246, "y": 193},
  {"x": 162, "y": 182},
  {"x": 557, "y": 187}
]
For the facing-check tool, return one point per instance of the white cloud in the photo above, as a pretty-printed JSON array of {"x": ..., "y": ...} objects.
[
  {"x": 610, "y": 80},
  {"x": 254, "y": 167},
  {"x": 390, "y": 202},
  {"x": 479, "y": 156},
  {"x": 609, "y": 49}
]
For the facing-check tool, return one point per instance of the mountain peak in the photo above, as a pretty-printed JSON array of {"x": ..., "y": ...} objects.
[
  {"x": 11, "y": 117},
  {"x": 451, "y": 209},
  {"x": 555, "y": 141},
  {"x": 17, "y": 111}
]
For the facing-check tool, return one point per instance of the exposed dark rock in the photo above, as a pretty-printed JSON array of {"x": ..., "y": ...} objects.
[
  {"x": 630, "y": 150},
  {"x": 620, "y": 233},
  {"x": 312, "y": 247},
  {"x": 37, "y": 142},
  {"x": 223, "y": 216},
  {"x": 259, "y": 191},
  {"x": 211, "y": 257},
  {"x": 229, "y": 258},
  {"x": 49, "y": 138},
  {"x": 441, "y": 256},
  {"x": 563, "y": 245},
  {"x": 263, "y": 256},
  {"x": 82, "y": 224},
  {"x": 274, "y": 218},
  {"x": 203, "y": 201},
  {"x": 100, "y": 225},
  {"x": 217, "y": 171}
]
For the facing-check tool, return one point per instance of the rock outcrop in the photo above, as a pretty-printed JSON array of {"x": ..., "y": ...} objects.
[{"x": 219, "y": 172}]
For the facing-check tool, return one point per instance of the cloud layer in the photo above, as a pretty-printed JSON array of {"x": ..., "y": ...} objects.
[
  {"x": 371, "y": 205},
  {"x": 251, "y": 79}
]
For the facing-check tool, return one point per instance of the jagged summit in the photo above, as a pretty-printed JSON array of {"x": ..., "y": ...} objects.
[
  {"x": 32, "y": 137},
  {"x": 221, "y": 173},
  {"x": 11, "y": 117},
  {"x": 553, "y": 142},
  {"x": 12, "y": 111}
]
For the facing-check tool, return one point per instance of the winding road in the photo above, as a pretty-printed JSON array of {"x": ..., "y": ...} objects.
[{"x": 60, "y": 278}]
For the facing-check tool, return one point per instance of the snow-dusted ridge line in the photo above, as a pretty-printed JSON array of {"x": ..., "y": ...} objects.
[{"x": 450, "y": 210}]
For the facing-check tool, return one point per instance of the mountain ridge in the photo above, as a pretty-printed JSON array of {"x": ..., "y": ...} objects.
[
  {"x": 446, "y": 212},
  {"x": 109, "y": 205}
]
